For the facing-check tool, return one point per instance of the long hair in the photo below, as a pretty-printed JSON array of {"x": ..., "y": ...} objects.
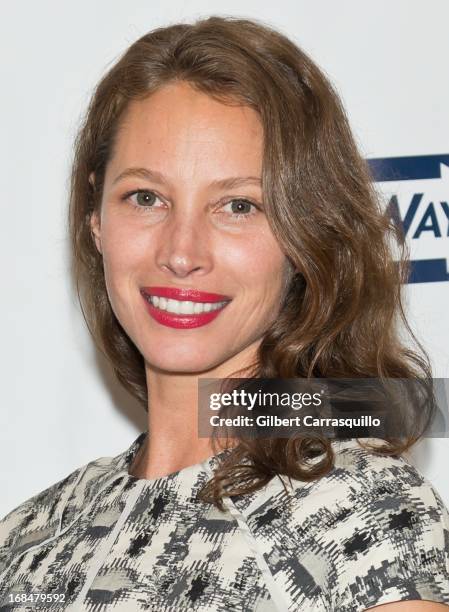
[{"x": 343, "y": 308}]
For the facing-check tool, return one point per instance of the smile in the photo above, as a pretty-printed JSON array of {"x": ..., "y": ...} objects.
[{"x": 183, "y": 308}]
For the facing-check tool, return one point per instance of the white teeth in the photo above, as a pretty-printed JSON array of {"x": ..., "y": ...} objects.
[
  {"x": 173, "y": 306},
  {"x": 184, "y": 306}
]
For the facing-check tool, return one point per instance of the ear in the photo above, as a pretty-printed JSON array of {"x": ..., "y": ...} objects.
[
  {"x": 292, "y": 270},
  {"x": 95, "y": 229},
  {"x": 95, "y": 219}
]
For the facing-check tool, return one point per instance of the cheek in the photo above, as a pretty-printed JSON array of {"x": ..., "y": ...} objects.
[
  {"x": 255, "y": 246},
  {"x": 124, "y": 252},
  {"x": 259, "y": 265}
]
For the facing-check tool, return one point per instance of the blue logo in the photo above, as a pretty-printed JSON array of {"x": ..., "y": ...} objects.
[{"x": 417, "y": 192}]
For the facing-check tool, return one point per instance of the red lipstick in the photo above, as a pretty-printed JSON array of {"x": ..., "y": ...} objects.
[
  {"x": 183, "y": 321},
  {"x": 185, "y": 294}
]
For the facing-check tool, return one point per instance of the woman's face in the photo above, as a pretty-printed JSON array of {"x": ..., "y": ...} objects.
[{"x": 182, "y": 209}]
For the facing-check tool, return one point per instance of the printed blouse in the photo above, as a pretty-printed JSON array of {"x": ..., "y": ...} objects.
[{"x": 372, "y": 531}]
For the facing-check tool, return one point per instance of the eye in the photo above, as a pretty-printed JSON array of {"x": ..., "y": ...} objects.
[
  {"x": 241, "y": 207},
  {"x": 141, "y": 198}
]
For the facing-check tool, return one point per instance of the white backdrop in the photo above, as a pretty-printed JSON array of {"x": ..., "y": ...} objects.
[{"x": 60, "y": 407}]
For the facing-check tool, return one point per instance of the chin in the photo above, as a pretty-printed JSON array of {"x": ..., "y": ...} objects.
[
  {"x": 187, "y": 366},
  {"x": 188, "y": 362}
]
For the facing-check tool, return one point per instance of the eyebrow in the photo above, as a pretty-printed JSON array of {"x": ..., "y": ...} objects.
[{"x": 158, "y": 177}]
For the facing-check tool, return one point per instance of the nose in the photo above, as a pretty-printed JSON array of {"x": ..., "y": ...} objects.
[{"x": 184, "y": 245}]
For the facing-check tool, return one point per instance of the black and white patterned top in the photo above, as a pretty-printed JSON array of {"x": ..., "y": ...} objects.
[{"x": 372, "y": 531}]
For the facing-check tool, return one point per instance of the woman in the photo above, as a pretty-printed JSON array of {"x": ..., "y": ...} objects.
[{"x": 223, "y": 223}]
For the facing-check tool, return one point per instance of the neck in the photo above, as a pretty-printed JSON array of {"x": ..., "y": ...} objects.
[{"x": 173, "y": 442}]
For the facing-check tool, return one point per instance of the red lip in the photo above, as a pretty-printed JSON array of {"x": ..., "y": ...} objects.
[
  {"x": 184, "y": 321},
  {"x": 185, "y": 294}
]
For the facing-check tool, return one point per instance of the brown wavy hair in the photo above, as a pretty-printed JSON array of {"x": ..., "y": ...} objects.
[{"x": 342, "y": 311}]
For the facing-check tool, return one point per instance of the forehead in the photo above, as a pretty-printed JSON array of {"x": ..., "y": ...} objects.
[{"x": 178, "y": 125}]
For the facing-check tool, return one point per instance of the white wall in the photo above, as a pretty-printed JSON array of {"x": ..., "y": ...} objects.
[{"x": 60, "y": 407}]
